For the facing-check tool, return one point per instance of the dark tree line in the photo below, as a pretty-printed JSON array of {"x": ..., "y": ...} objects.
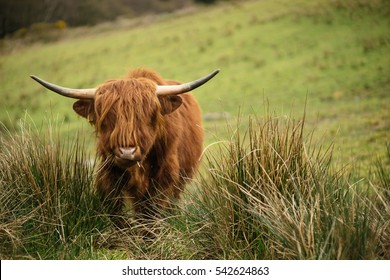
[{"x": 17, "y": 14}]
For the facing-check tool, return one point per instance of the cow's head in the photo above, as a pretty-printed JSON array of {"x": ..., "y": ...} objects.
[{"x": 127, "y": 113}]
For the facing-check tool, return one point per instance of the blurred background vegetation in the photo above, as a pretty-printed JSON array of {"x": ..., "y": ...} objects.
[{"x": 20, "y": 15}]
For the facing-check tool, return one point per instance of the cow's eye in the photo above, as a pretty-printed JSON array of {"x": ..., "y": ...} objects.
[{"x": 103, "y": 127}]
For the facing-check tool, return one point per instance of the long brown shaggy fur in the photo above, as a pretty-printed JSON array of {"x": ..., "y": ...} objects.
[{"x": 168, "y": 130}]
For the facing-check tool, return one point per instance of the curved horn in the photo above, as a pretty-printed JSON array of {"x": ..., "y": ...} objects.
[
  {"x": 178, "y": 89},
  {"x": 67, "y": 92}
]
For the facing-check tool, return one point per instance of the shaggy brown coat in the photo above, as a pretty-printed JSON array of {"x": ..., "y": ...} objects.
[{"x": 167, "y": 130}]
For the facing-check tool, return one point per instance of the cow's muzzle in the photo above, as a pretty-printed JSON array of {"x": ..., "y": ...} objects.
[{"x": 126, "y": 157}]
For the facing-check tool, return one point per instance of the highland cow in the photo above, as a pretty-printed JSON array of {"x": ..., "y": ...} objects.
[{"x": 149, "y": 134}]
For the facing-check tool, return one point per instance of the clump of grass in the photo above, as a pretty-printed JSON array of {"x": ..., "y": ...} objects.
[
  {"x": 382, "y": 175},
  {"x": 48, "y": 207},
  {"x": 269, "y": 193}
]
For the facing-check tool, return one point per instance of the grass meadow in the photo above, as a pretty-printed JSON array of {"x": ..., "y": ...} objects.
[{"x": 297, "y": 154}]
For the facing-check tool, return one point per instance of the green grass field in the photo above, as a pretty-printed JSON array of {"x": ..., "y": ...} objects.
[{"x": 327, "y": 59}]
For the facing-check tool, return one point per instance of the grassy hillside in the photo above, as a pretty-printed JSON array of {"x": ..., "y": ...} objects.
[{"x": 330, "y": 57}]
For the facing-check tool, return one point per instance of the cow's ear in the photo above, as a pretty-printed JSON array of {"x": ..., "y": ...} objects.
[
  {"x": 170, "y": 104},
  {"x": 83, "y": 108}
]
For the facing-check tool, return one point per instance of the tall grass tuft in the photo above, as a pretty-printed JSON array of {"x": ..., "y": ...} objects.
[
  {"x": 269, "y": 193},
  {"x": 48, "y": 207}
]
